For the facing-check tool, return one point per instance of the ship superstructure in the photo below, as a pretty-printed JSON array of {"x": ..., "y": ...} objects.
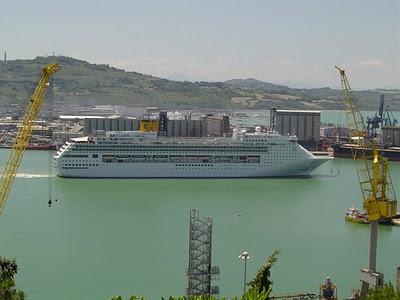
[{"x": 136, "y": 154}]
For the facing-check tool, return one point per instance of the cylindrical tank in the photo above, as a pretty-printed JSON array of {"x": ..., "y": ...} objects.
[
  {"x": 87, "y": 126},
  {"x": 136, "y": 124},
  {"x": 316, "y": 128},
  {"x": 177, "y": 127},
  {"x": 197, "y": 128},
  {"x": 309, "y": 128},
  {"x": 301, "y": 128},
  {"x": 286, "y": 124},
  {"x": 184, "y": 128},
  {"x": 100, "y": 124},
  {"x": 190, "y": 128},
  {"x": 396, "y": 137},
  {"x": 109, "y": 125},
  {"x": 121, "y": 124},
  {"x": 114, "y": 124},
  {"x": 204, "y": 127},
  {"x": 293, "y": 124},
  {"x": 129, "y": 124},
  {"x": 170, "y": 128}
]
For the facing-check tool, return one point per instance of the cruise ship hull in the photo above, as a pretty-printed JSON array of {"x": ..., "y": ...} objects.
[
  {"x": 171, "y": 170},
  {"x": 141, "y": 155}
]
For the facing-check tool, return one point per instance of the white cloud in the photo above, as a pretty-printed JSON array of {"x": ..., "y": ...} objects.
[{"x": 371, "y": 63}]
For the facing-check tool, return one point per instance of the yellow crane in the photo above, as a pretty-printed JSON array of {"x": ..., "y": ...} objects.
[
  {"x": 24, "y": 132},
  {"x": 379, "y": 198}
]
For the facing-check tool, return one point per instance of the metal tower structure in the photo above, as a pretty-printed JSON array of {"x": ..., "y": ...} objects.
[
  {"x": 379, "y": 198},
  {"x": 200, "y": 272}
]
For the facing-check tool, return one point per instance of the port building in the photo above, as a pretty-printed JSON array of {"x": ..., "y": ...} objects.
[
  {"x": 391, "y": 136},
  {"x": 305, "y": 124}
]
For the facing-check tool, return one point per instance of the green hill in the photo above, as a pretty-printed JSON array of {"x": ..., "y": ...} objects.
[{"x": 80, "y": 82}]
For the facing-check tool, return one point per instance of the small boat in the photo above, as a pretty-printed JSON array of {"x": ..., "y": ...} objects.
[{"x": 355, "y": 215}]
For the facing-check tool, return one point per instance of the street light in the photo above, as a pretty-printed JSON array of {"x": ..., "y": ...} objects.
[{"x": 245, "y": 256}]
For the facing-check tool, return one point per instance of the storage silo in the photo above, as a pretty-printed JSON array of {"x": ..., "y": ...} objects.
[
  {"x": 100, "y": 124},
  {"x": 114, "y": 124},
  {"x": 203, "y": 127},
  {"x": 177, "y": 127},
  {"x": 190, "y": 128},
  {"x": 286, "y": 124},
  {"x": 197, "y": 128},
  {"x": 128, "y": 124},
  {"x": 184, "y": 128},
  {"x": 316, "y": 127},
  {"x": 294, "y": 124},
  {"x": 391, "y": 136},
  {"x": 309, "y": 128},
  {"x": 304, "y": 124},
  {"x": 107, "y": 124},
  {"x": 170, "y": 128},
  {"x": 136, "y": 124},
  {"x": 86, "y": 127},
  {"x": 122, "y": 124},
  {"x": 301, "y": 128},
  {"x": 93, "y": 125}
]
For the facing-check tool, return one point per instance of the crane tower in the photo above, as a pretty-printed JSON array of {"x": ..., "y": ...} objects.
[{"x": 379, "y": 199}]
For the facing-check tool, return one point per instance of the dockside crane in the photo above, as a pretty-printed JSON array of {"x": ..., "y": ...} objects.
[
  {"x": 24, "y": 133},
  {"x": 388, "y": 117},
  {"x": 379, "y": 198},
  {"x": 376, "y": 121}
]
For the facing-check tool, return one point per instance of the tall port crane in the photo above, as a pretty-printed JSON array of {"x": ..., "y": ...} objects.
[
  {"x": 388, "y": 117},
  {"x": 24, "y": 132},
  {"x": 379, "y": 199},
  {"x": 376, "y": 121}
]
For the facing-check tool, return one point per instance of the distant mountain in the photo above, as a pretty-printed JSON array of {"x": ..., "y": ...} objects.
[
  {"x": 251, "y": 83},
  {"x": 83, "y": 83}
]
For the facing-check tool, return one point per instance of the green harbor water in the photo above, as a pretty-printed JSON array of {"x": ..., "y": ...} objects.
[{"x": 109, "y": 237}]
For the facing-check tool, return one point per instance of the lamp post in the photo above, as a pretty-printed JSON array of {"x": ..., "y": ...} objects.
[{"x": 245, "y": 256}]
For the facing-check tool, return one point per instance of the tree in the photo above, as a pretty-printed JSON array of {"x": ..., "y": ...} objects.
[
  {"x": 262, "y": 283},
  {"x": 8, "y": 269},
  {"x": 388, "y": 292}
]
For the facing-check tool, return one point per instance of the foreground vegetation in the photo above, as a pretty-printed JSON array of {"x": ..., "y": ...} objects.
[
  {"x": 388, "y": 292},
  {"x": 8, "y": 270},
  {"x": 80, "y": 82}
]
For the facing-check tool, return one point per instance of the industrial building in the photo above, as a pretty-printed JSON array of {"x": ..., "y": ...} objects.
[
  {"x": 391, "y": 136},
  {"x": 305, "y": 124},
  {"x": 111, "y": 123},
  {"x": 212, "y": 126}
]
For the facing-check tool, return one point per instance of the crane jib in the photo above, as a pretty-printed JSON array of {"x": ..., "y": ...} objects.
[{"x": 24, "y": 133}]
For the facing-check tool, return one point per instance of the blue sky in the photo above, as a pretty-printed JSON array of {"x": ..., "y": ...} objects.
[{"x": 281, "y": 41}]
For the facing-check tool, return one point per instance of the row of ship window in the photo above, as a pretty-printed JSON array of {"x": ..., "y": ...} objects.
[
  {"x": 83, "y": 165},
  {"x": 174, "y": 149},
  {"x": 178, "y": 159}
]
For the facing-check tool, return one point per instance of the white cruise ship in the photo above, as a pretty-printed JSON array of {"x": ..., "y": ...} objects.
[{"x": 134, "y": 154}]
